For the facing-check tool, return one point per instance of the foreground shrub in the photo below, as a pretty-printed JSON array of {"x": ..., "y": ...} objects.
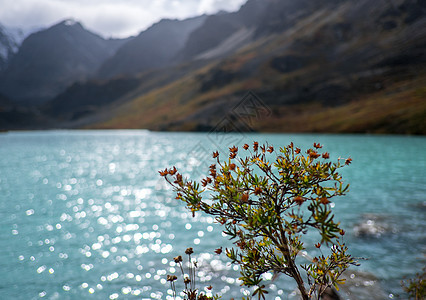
[
  {"x": 416, "y": 287},
  {"x": 266, "y": 207}
]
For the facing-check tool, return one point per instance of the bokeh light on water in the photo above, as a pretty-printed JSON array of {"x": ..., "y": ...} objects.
[
  {"x": 89, "y": 215},
  {"x": 84, "y": 215}
]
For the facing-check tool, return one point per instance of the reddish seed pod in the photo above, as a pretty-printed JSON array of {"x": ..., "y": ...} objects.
[
  {"x": 255, "y": 146},
  {"x": 218, "y": 250}
]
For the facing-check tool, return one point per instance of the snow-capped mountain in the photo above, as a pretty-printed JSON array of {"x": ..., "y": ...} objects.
[
  {"x": 9, "y": 44},
  {"x": 50, "y": 60},
  {"x": 11, "y": 39}
]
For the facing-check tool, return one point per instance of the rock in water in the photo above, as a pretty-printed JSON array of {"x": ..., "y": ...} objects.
[
  {"x": 373, "y": 225},
  {"x": 361, "y": 286},
  {"x": 330, "y": 294}
]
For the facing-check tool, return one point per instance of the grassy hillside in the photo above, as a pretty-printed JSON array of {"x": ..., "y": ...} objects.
[
  {"x": 400, "y": 108},
  {"x": 327, "y": 73},
  {"x": 328, "y": 68}
]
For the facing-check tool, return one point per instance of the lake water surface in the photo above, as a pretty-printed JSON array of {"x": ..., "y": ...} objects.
[{"x": 85, "y": 215}]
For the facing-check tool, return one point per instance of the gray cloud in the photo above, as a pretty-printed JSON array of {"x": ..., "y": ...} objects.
[{"x": 110, "y": 18}]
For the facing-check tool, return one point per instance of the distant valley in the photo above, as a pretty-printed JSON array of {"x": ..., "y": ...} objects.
[{"x": 301, "y": 66}]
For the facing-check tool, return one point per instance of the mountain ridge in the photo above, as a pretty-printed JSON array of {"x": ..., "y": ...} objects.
[
  {"x": 153, "y": 48},
  {"x": 51, "y": 59},
  {"x": 9, "y": 45},
  {"x": 318, "y": 66},
  {"x": 330, "y": 66}
]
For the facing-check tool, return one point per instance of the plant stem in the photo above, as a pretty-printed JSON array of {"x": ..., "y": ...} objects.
[{"x": 294, "y": 271}]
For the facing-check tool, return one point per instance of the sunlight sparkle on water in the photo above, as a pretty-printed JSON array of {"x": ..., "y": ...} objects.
[{"x": 86, "y": 212}]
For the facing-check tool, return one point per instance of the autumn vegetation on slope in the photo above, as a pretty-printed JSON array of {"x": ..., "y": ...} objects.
[{"x": 325, "y": 72}]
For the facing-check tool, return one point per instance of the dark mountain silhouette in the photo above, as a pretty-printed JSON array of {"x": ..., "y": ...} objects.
[
  {"x": 4, "y": 102},
  {"x": 154, "y": 48},
  {"x": 315, "y": 66},
  {"x": 83, "y": 99},
  {"x": 50, "y": 60},
  {"x": 13, "y": 116},
  {"x": 327, "y": 65}
]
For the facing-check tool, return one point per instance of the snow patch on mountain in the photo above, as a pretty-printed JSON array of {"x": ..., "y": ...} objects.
[{"x": 10, "y": 41}]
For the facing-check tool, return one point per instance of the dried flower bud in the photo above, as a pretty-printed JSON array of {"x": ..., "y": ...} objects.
[
  {"x": 233, "y": 149},
  {"x": 324, "y": 200},
  {"x": 204, "y": 182},
  {"x": 255, "y": 146},
  {"x": 173, "y": 171},
  {"x": 163, "y": 173},
  {"x": 312, "y": 154},
  {"x": 178, "y": 179},
  {"x": 218, "y": 250},
  {"x": 257, "y": 191},
  {"x": 189, "y": 251},
  {"x": 244, "y": 197},
  {"x": 241, "y": 244},
  {"x": 299, "y": 200}
]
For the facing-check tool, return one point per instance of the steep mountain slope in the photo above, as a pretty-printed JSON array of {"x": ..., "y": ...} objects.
[
  {"x": 154, "y": 48},
  {"x": 223, "y": 33},
  {"x": 4, "y": 103},
  {"x": 82, "y": 99},
  {"x": 329, "y": 68},
  {"x": 9, "y": 43},
  {"x": 50, "y": 60},
  {"x": 311, "y": 65}
]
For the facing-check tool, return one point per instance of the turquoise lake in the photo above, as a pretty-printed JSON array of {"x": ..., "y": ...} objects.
[{"x": 85, "y": 214}]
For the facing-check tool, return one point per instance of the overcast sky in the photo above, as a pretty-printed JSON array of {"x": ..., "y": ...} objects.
[{"x": 110, "y": 18}]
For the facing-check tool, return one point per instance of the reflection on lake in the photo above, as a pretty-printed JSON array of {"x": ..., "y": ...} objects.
[{"x": 84, "y": 214}]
